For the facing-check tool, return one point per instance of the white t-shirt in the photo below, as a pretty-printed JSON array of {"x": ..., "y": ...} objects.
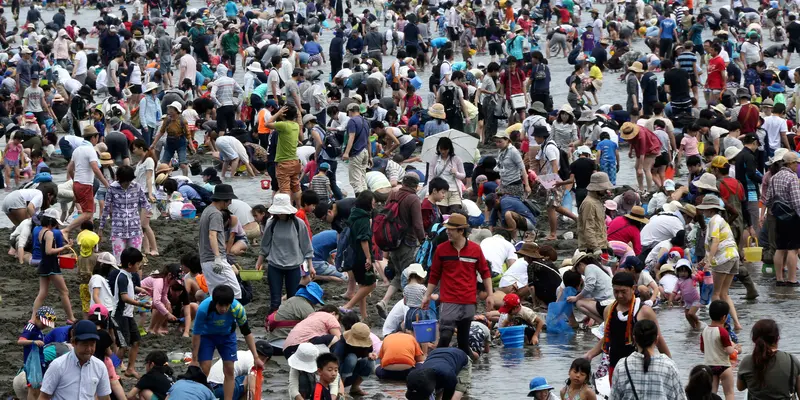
[
  {"x": 188, "y": 63},
  {"x": 82, "y": 158},
  {"x": 376, "y": 180},
  {"x": 661, "y": 227},
  {"x": 74, "y": 141},
  {"x": 751, "y": 51},
  {"x": 242, "y": 211},
  {"x": 101, "y": 79},
  {"x": 106, "y": 297},
  {"x": 304, "y": 153},
  {"x": 516, "y": 273},
  {"x": 774, "y": 126},
  {"x": 81, "y": 62},
  {"x": 497, "y": 250},
  {"x": 33, "y": 196},
  {"x": 471, "y": 208},
  {"x": 395, "y": 318},
  {"x": 551, "y": 154},
  {"x": 445, "y": 70},
  {"x": 141, "y": 172},
  {"x": 668, "y": 282},
  {"x": 241, "y": 367}
]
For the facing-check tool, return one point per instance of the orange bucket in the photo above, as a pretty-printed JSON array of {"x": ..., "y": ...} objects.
[
  {"x": 670, "y": 173},
  {"x": 68, "y": 261}
]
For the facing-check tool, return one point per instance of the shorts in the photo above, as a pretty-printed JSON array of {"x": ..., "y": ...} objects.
[
  {"x": 523, "y": 224},
  {"x": 84, "y": 196},
  {"x": 600, "y": 306},
  {"x": 288, "y": 173},
  {"x": 794, "y": 46},
  {"x": 464, "y": 377},
  {"x": 225, "y": 345},
  {"x": 101, "y": 194},
  {"x": 135, "y": 89},
  {"x": 452, "y": 199},
  {"x": 688, "y": 306},
  {"x": 238, "y": 389},
  {"x": 786, "y": 237},
  {"x": 450, "y": 313},
  {"x": 662, "y": 160},
  {"x": 693, "y": 79},
  {"x": 407, "y": 149},
  {"x": 172, "y": 145},
  {"x": 13, "y": 201},
  {"x": 730, "y": 267},
  {"x": 165, "y": 66},
  {"x": 11, "y": 163},
  {"x": 127, "y": 331},
  {"x": 555, "y": 197},
  {"x": 480, "y": 32},
  {"x": 698, "y": 49},
  {"x": 495, "y": 48},
  {"x": 230, "y": 152},
  {"x": 227, "y": 277},
  {"x": 717, "y": 370},
  {"x": 112, "y": 372}
]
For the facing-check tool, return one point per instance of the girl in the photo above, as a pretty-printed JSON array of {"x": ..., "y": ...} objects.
[
  {"x": 182, "y": 306},
  {"x": 687, "y": 291},
  {"x": 236, "y": 240},
  {"x": 361, "y": 244},
  {"x": 260, "y": 215},
  {"x": 699, "y": 386},
  {"x": 158, "y": 377},
  {"x": 107, "y": 169},
  {"x": 51, "y": 243},
  {"x": 98, "y": 284},
  {"x": 410, "y": 101},
  {"x": 125, "y": 201},
  {"x": 157, "y": 287},
  {"x": 12, "y": 158},
  {"x": 438, "y": 121},
  {"x": 144, "y": 177},
  {"x": 578, "y": 386}
]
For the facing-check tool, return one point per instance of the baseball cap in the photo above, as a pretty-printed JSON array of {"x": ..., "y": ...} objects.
[
  {"x": 325, "y": 166},
  {"x": 719, "y": 162},
  {"x": 85, "y": 330},
  {"x": 263, "y": 348},
  {"x": 510, "y": 302},
  {"x": 353, "y": 107}
]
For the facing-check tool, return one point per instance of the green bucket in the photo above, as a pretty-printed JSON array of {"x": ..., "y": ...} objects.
[{"x": 768, "y": 269}]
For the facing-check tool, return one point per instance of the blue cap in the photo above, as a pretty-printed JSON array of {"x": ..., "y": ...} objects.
[
  {"x": 271, "y": 103},
  {"x": 85, "y": 330},
  {"x": 538, "y": 383},
  {"x": 783, "y": 68},
  {"x": 312, "y": 292},
  {"x": 591, "y": 60},
  {"x": 325, "y": 166},
  {"x": 631, "y": 262}
]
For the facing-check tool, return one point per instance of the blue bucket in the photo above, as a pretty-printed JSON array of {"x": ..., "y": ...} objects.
[
  {"x": 513, "y": 337},
  {"x": 425, "y": 331},
  {"x": 191, "y": 214}
]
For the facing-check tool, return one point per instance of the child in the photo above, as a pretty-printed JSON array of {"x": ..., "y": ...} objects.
[
  {"x": 99, "y": 121},
  {"x": 308, "y": 202},
  {"x": 158, "y": 379},
  {"x": 37, "y": 161},
  {"x": 191, "y": 117},
  {"x": 689, "y": 143},
  {"x": 98, "y": 284},
  {"x": 539, "y": 389},
  {"x": 157, "y": 286},
  {"x": 33, "y": 340},
  {"x": 98, "y": 314},
  {"x": 687, "y": 292},
  {"x": 480, "y": 336},
  {"x": 667, "y": 279},
  {"x": 608, "y": 157},
  {"x": 123, "y": 281},
  {"x": 261, "y": 215},
  {"x": 328, "y": 372},
  {"x": 413, "y": 293},
  {"x": 193, "y": 279},
  {"x": 321, "y": 184},
  {"x": 87, "y": 240},
  {"x": 578, "y": 383},
  {"x": 437, "y": 190},
  {"x": 13, "y": 154},
  {"x": 107, "y": 169},
  {"x": 665, "y": 158},
  {"x": 512, "y": 313},
  {"x": 716, "y": 344}
]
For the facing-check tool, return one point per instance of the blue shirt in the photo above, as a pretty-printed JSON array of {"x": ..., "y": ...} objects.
[
  {"x": 189, "y": 193},
  {"x": 185, "y": 389},
  {"x": 667, "y": 28},
  {"x": 199, "y": 79},
  {"x": 608, "y": 149},
  {"x": 31, "y": 332},
  {"x": 230, "y": 9},
  {"x": 58, "y": 335},
  {"x": 323, "y": 243},
  {"x": 358, "y": 126},
  {"x": 37, "y": 247},
  {"x": 208, "y": 322},
  {"x": 510, "y": 203},
  {"x": 439, "y": 42},
  {"x": 312, "y": 48}
]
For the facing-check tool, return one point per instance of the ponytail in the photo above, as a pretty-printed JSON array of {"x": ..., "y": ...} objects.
[
  {"x": 765, "y": 335},
  {"x": 645, "y": 334}
]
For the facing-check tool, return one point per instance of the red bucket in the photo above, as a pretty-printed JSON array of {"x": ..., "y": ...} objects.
[
  {"x": 68, "y": 261},
  {"x": 266, "y": 184}
]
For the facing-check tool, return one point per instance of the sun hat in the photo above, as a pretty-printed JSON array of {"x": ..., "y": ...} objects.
[
  {"x": 415, "y": 269},
  {"x": 731, "y": 153},
  {"x": 530, "y": 249},
  {"x": 538, "y": 106},
  {"x": 176, "y": 106},
  {"x": 47, "y": 315},
  {"x": 510, "y": 302},
  {"x": 567, "y": 109},
  {"x": 719, "y": 162},
  {"x": 776, "y": 88},
  {"x": 107, "y": 258},
  {"x": 58, "y": 98},
  {"x": 690, "y": 210},
  {"x": 223, "y": 192},
  {"x": 637, "y": 214},
  {"x": 629, "y": 130},
  {"x": 672, "y": 206},
  {"x": 502, "y": 135},
  {"x": 584, "y": 150},
  {"x": 790, "y": 157},
  {"x": 150, "y": 87},
  {"x": 163, "y": 167},
  {"x": 308, "y": 118},
  {"x": 669, "y": 185},
  {"x": 105, "y": 159},
  {"x": 587, "y": 117},
  {"x": 636, "y": 67},
  {"x": 305, "y": 358},
  {"x": 99, "y": 310},
  {"x": 161, "y": 178},
  {"x": 540, "y": 132},
  {"x": 707, "y": 181},
  {"x": 666, "y": 268},
  {"x": 767, "y": 103},
  {"x": 282, "y": 205},
  {"x": 311, "y": 292},
  {"x": 610, "y": 205},
  {"x": 84, "y": 330},
  {"x": 779, "y": 153},
  {"x": 710, "y": 201},
  {"x": 437, "y": 111},
  {"x": 456, "y": 221},
  {"x": 358, "y": 335},
  {"x": 374, "y": 102},
  {"x": 54, "y": 213},
  {"x": 421, "y": 384},
  {"x": 683, "y": 263},
  {"x": 719, "y": 107},
  {"x": 539, "y": 383},
  {"x": 743, "y": 93},
  {"x": 599, "y": 181}
]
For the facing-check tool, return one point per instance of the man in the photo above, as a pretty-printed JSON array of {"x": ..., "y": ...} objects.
[
  {"x": 749, "y": 115},
  {"x": 78, "y": 375},
  {"x": 109, "y": 45},
  {"x": 24, "y": 69},
  {"x": 81, "y": 64},
  {"x": 664, "y": 226},
  {"x": 687, "y": 61},
  {"x": 230, "y": 45},
  {"x": 83, "y": 169},
  {"x": 187, "y": 66},
  {"x": 597, "y": 25},
  {"x": 112, "y": 75},
  {"x": 775, "y": 126},
  {"x": 678, "y": 84},
  {"x": 784, "y": 187},
  {"x": 793, "y": 31},
  {"x": 286, "y": 122},
  {"x": 451, "y": 97},
  {"x": 34, "y": 101},
  {"x": 358, "y": 152},
  {"x": 226, "y": 93},
  {"x": 410, "y": 216},
  {"x": 164, "y": 51},
  {"x": 215, "y": 329},
  {"x": 292, "y": 90},
  {"x": 751, "y": 51},
  {"x": 600, "y": 53},
  {"x": 667, "y": 33},
  {"x": 445, "y": 369},
  {"x": 548, "y": 163},
  {"x": 649, "y": 85},
  {"x": 717, "y": 75},
  {"x": 213, "y": 258},
  {"x": 618, "y": 340},
  {"x": 750, "y": 179},
  {"x": 591, "y": 215},
  {"x": 454, "y": 265},
  {"x": 376, "y": 43},
  {"x": 509, "y": 212}
]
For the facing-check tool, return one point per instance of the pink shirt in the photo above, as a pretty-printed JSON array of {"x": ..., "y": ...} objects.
[
  {"x": 621, "y": 250},
  {"x": 13, "y": 152},
  {"x": 688, "y": 291},
  {"x": 689, "y": 144},
  {"x": 317, "y": 324},
  {"x": 155, "y": 288},
  {"x": 622, "y": 230}
]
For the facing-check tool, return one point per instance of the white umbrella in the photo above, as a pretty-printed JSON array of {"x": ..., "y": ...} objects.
[{"x": 464, "y": 145}]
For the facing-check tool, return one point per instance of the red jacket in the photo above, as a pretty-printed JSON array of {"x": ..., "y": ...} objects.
[{"x": 457, "y": 271}]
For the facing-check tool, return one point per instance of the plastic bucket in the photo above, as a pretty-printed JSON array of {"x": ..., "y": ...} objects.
[
  {"x": 195, "y": 168},
  {"x": 251, "y": 274},
  {"x": 266, "y": 184},
  {"x": 768, "y": 269},
  {"x": 753, "y": 253},
  {"x": 191, "y": 214},
  {"x": 68, "y": 261},
  {"x": 513, "y": 337},
  {"x": 425, "y": 331}
]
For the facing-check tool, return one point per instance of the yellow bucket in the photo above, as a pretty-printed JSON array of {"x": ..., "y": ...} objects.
[{"x": 752, "y": 253}]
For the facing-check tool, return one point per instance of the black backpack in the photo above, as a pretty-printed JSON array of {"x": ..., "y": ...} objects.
[
  {"x": 449, "y": 100},
  {"x": 330, "y": 144},
  {"x": 563, "y": 161}
]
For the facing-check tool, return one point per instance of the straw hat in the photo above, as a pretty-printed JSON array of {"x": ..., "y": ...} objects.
[
  {"x": 163, "y": 168},
  {"x": 636, "y": 67},
  {"x": 599, "y": 182},
  {"x": 637, "y": 214},
  {"x": 689, "y": 210},
  {"x": 629, "y": 130},
  {"x": 666, "y": 268},
  {"x": 707, "y": 181},
  {"x": 456, "y": 221},
  {"x": 305, "y": 358},
  {"x": 358, "y": 335},
  {"x": 719, "y": 107},
  {"x": 530, "y": 249},
  {"x": 282, "y": 205},
  {"x": 161, "y": 178},
  {"x": 105, "y": 159},
  {"x": 711, "y": 201},
  {"x": 150, "y": 87},
  {"x": 437, "y": 111}
]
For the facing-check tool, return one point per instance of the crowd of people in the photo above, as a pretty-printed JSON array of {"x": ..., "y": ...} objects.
[{"x": 451, "y": 234}]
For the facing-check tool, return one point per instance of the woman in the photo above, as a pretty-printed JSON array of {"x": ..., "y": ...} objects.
[
  {"x": 575, "y": 94},
  {"x": 513, "y": 175},
  {"x": 647, "y": 147},
  {"x": 51, "y": 243},
  {"x": 22, "y": 204},
  {"x": 646, "y": 374},
  {"x": 782, "y": 187},
  {"x": 125, "y": 204},
  {"x": 722, "y": 253},
  {"x": 633, "y": 88},
  {"x": 321, "y": 327},
  {"x": 144, "y": 177},
  {"x": 597, "y": 292},
  {"x": 177, "y": 130},
  {"x": 295, "y": 309},
  {"x": 449, "y": 167},
  {"x": 512, "y": 85},
  {"x": 768, "y": 373},
  {"x": 286, "y": 247},
  {"x": 565, "y": 132},
  {"x": 489, "y": 100},
  {"x": 361, "y": 244},
  {"x": 438, "y": 121}
]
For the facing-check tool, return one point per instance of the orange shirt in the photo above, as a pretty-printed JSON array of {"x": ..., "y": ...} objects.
[
  {"x": 399, "y": 348},
  {"x": 262, "y": 124},
  {"x": 201, "y": 281},
  {"x": 302, "y": 215}
]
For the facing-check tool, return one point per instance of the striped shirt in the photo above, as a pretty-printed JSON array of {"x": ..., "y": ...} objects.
[
  {"x": 686, "y": 61},
  {"x": 225, "y": 91}
]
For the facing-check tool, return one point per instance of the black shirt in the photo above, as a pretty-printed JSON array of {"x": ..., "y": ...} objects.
[
  {"x": 734, "y": 73},
  {"x": 411, "y": 33},
  {"x": 343, "y": 208},
  {"x": 545, "y": 280},
  {"x": 793, "y": 30},
  {"x": 678, "y": 82},
  {"x": 155, "y": 381},
  {"x": 601, "y": 56},
  {"x": 582, "y": 168},
  {"x": 649, "y": 87},
  {"x": 104, "y": 343}
]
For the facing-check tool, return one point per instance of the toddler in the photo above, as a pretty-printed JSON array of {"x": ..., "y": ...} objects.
[
  {"x": 717, "y": 347},
  {"x": 87, "y": 240},
  {"x": 12, "y": 157},
  {"x": 687, "y": 291}
]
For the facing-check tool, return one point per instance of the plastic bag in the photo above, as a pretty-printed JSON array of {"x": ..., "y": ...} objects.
[
  {"x": 558, "y": 313},
  {"x": 33, "y": 368}
]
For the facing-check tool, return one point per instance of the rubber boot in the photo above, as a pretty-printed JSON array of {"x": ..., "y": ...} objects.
[{"x": 747, "y": 281}]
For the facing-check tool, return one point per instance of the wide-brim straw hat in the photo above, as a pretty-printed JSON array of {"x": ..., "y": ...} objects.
[
  {"x": 437, "y": 111},
  {"x": 629, "y": 130},
  {"x": 358, "y": 335},
  {"x": 105, "y": 159},
  {"x": 163, "y": 168},
  {"x": 637, "y": 214}
]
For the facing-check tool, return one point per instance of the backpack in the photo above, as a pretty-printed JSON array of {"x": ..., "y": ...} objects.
[
  {"x": 388, "y": 230},
  {"x": 205, "y": 194},
  {"x": 533, "y": 207},
  {"x": 448, "y": 100},
  {"x": 247, "y": 291},
  {"x": 330, "y": 144},
  {"x": 563, "y": 161},
  {"x": 345, "y": 257},
  {"x": 426, "y": 250}
]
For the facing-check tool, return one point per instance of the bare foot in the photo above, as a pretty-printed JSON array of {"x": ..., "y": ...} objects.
[
  {"x": 12, "y": 252},
  {"x": 551, "y": 237},
  {"x": 358, "y": 392},
  {"x": 131, "y": 374},
  {"x": 163, "y": 332},
  {"x": 185, "y": 335},
  {"x": 154, "y": 253}
]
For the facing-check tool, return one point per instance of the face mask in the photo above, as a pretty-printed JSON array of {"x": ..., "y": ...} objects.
[{"x": 707, "y": 220}]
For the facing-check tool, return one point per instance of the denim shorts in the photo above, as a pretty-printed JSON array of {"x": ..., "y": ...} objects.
[
  {"x": 172, "y": 145},
  {"x": 323, "y": 268}
]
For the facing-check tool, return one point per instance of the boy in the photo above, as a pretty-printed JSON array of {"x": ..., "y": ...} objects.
[
  {"x": 512, "y": 313},
  {"x": 717, "y": 347},
  {"x": 37, "y": 161},
  {"x": 437, "y": 190},
  {"x": 328, "y": 371},
  {"x": 665, "y": 158},
  {"x": 122, "y": 282},
  {"x": 87, "y": 259},
  {"x": 320, "y": 183},
  {"x": 480, "y": 335},
  {"x": 214, "y": 329},
  {"x": 608, "y": 157},
  {"x": 33, "y": 339},
  {"x": 308, "y": 202}
]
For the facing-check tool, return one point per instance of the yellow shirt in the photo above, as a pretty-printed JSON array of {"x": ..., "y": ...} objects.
[
  {"x": 595, "y": 72},
  {"x": 87, "y": 240}
]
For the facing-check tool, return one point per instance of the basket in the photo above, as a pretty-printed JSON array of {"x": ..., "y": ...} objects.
[
  {"x": 513, "y": 337},
  {"x": 425, "y": 331},
  {"x": 251, "y": 274},
  {"x": 753, "y": 253},
  {"x": 68, "y": 261}
]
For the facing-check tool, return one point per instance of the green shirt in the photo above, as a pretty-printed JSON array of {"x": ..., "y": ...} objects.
[
  {"x": 288, "y": 133},
  {"x": 569, "y": 5},
  {"x": 230, "y": 43},
  {"x": 261, "y": 91}
]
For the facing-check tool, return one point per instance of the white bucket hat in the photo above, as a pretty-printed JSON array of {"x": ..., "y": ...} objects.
[
  {"x": 176, "y": 106},
  {"x": 415, "y": 269},
  {"x": 255, "y": 66},
  {"x": 54, "y": 213},
  {"x": 282, "y": 204},
  {"x": 305, "y": 358},
  {"x": 150, "y": 87}
]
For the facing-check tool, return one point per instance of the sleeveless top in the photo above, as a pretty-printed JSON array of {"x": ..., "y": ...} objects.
[{"x": 620, "y": 347}]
